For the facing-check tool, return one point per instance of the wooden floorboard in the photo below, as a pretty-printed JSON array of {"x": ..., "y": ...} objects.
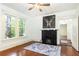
[{"x": 19, "y": 51}]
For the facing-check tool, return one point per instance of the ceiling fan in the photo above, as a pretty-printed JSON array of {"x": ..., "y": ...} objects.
[{"x": 38, "y": 6}]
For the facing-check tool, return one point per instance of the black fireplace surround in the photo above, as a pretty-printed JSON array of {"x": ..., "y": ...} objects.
[{"x": 49, "y": 37}]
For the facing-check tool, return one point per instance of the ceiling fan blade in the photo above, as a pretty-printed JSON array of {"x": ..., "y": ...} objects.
[
  {"x": 41, "y": 4},
  {"x": 31, "y": 3},
  {"x": 45, "y": 4},
  {"x": 31, "y": 8},
  {"x": 40, "y": 10}
]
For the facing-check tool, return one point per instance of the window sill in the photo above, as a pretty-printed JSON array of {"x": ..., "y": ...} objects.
[{"x": 20, "y": 37}]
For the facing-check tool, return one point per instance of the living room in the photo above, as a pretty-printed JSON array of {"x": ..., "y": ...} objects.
[{"x": 21, "y": 23}]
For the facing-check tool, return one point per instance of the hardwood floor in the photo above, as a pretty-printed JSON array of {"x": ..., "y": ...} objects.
[
  {"x": 19, "y": 51},
  {"x": 69, "y": 51}
]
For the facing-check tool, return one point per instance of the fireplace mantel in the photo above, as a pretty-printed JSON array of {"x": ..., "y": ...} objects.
[{"x": 49, "y": 29}]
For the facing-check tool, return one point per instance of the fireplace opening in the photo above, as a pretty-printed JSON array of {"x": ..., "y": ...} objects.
[{"x": 49, "y": 37}]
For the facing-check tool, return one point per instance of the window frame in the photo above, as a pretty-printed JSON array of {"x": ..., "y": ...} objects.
[{"x": 16, "y": 18}]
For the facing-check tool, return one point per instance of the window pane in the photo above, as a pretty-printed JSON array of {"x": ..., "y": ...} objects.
[
  {"x": 10, "y": 28},
  {"x": 21, "y": 27}
]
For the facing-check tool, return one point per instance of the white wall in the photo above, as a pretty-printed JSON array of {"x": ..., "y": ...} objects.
[
  {"x": 34, "y": 27},
  {"x": 75, "y": 34},
  {"x": 63, "y": 30},
  {"x": 78, "y": 26},
  {"x": 0, "y": 25},
  {"x": 69, "y": 29}
]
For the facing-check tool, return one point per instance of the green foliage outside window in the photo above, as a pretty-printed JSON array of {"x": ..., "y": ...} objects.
[
  {"x": 11, "y": 32},
  {"x": 11, "y": 26},
  {"x": 21, "y": 27}
]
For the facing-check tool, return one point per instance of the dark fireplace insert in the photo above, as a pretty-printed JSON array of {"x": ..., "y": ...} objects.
[{"x": 49, "y": 37}]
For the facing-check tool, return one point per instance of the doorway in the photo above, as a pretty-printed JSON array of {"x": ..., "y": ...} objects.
[
  {"x": 63, "y": 35},
  {"x": 63, "y": 31}
]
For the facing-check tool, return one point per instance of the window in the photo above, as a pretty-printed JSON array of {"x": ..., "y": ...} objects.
[
  {"x": 14, "y": 26},
  {"x": 21, "y": 27}
]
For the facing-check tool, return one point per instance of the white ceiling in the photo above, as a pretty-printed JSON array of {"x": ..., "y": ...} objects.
[{"x": 54, "y": 7}]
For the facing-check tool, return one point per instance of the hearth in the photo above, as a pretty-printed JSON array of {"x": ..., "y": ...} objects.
[{"x": 49, "y": 37}]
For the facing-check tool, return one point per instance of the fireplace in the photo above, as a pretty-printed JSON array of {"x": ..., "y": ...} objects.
[{"x": 49, "y": 37}]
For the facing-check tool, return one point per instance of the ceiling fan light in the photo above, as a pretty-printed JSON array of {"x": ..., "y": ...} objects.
[{"x": 36, "y": 6}]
